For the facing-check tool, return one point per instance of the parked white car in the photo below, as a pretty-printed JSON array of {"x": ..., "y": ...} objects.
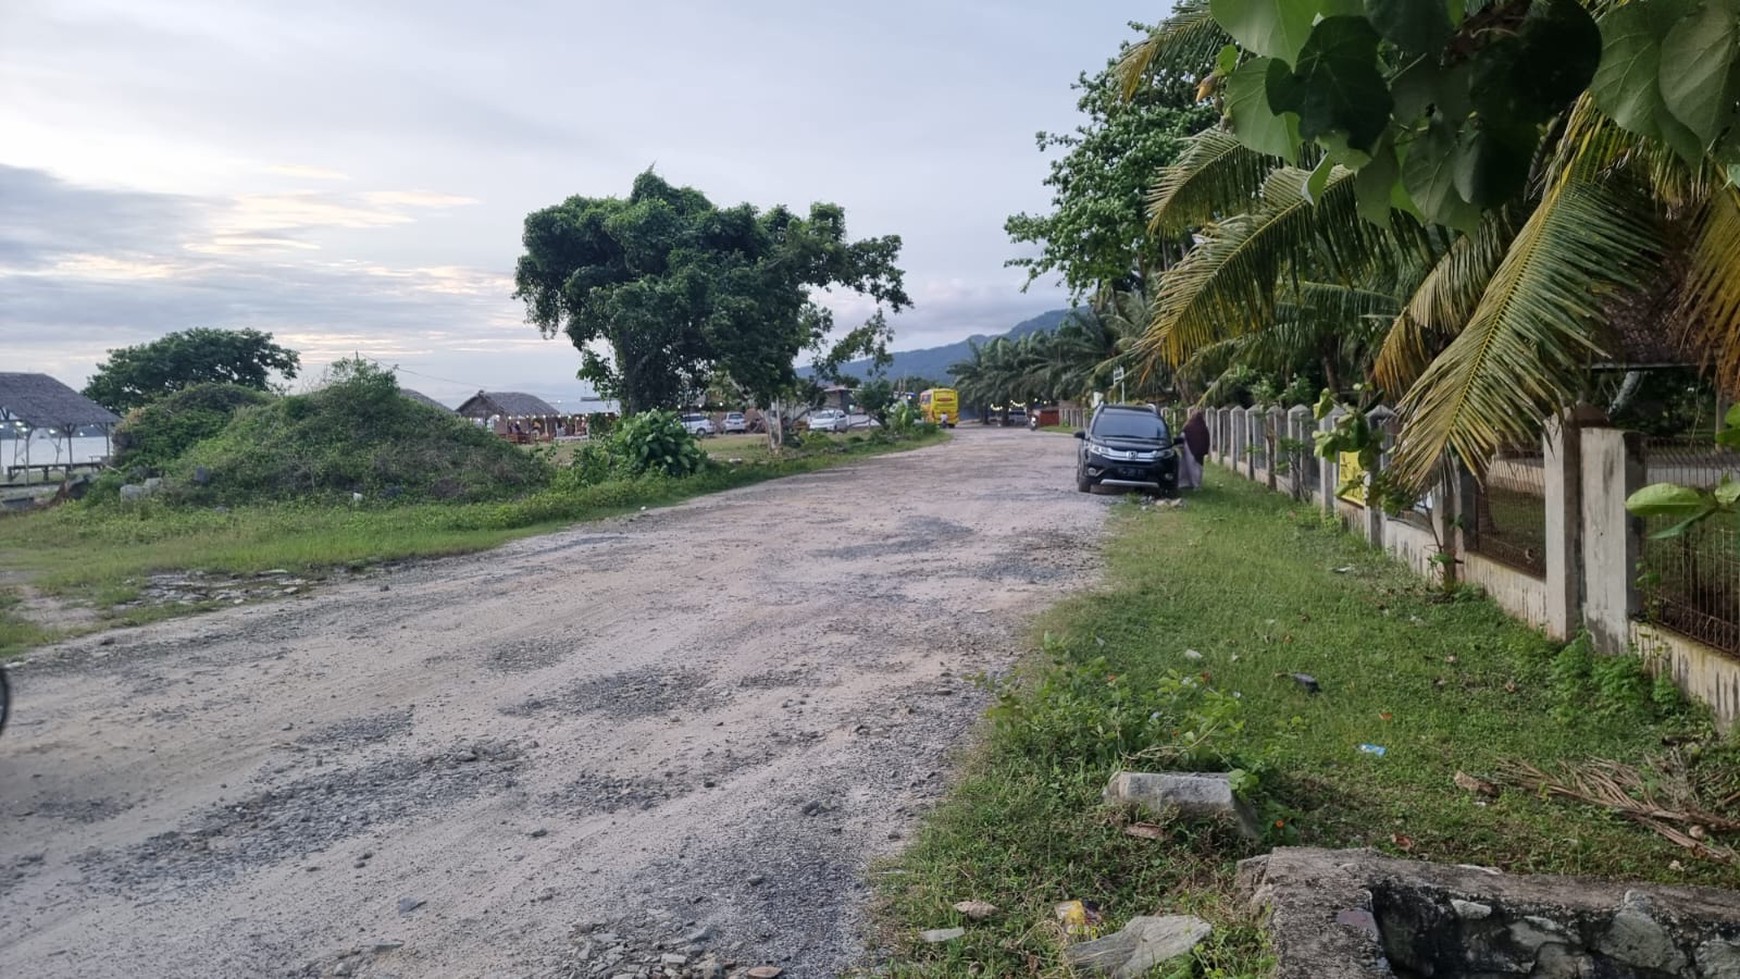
[
  {"x": 735, "y": 422},
  {"x": 829, "y": 420},
  {"x": 699, "y": 425}
]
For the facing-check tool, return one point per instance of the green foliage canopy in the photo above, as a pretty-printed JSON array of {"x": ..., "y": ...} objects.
[
  {"x": 1095, "y": 235},
  {"x": 133, "y": 376},
  {"x": 1441, "y": 105},
  {"x": 678, "y": 288}
]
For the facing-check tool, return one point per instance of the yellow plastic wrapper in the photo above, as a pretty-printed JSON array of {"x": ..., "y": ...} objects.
[{"x": 1078, "y": 918}]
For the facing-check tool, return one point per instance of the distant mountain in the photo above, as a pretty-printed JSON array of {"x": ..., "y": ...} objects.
[{"x": 934, "y": 362}]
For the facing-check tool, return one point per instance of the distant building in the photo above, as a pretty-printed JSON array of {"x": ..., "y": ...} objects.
[
  {"x": 36, "y": 408},
  {"x": 504, "y": 405}
]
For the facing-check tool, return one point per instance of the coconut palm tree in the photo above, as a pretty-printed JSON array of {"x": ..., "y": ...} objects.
[{"x": 1479, "y": 335}]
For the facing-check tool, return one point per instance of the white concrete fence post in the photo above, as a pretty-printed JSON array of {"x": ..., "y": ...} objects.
[
  {"x": 1276, "y": 430},
  {"x": 1253, "y": 440},
  {"x": 1299, "y": 429},
  {"x": 1562, "y": 489},
  {"x": 1330, "y": 471},
  {"x": 1240, "y": 447},
  {"x": 1612, "y": 469}
]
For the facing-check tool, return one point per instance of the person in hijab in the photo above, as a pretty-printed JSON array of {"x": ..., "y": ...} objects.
[{"x": 1195, "y": 451}]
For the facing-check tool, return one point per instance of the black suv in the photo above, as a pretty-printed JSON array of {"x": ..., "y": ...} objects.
[{"x": 1127, "y": 445}]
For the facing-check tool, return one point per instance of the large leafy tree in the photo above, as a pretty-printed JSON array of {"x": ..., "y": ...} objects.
[
  {"x": 135, "y": 376},
  {"x": 1093, "y": 237},
  {"x": 1495, "y": 175},
  {"x": 677, "y": 290}
]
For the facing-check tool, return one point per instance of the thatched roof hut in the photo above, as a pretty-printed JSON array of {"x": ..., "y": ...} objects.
[
  {"x": 31, "y": 403},
  {"x": 506, "y": 404}
]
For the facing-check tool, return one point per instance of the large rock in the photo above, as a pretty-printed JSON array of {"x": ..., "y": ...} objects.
[
  {"x": 1190, "y": 794},
  {"x": 1142, "y": 944},
  {"x": 1719, "y": 960},
  {"x": 1637, "y": 939}
]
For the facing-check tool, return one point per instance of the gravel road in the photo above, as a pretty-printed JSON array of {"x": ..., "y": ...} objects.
[{"x": 682, "y": 735}]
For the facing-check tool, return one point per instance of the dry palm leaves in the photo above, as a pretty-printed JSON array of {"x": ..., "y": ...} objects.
[{"x": 1663, "y": 801}]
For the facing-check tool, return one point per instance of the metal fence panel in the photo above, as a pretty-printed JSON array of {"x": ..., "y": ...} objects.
[
  {"x": 1691, "y": 584},
  {"x": 1510, "y": 511}
]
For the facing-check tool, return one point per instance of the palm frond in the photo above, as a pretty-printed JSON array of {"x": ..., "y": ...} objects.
[
  {"x": 1710, "y": 293},
  {"x": 1184, "y": 43},
  {"x": 1443, "y": 302},
  {"x": 1537, "y": 323},
  {"x": 1215, "y": 175},
  {"x": 1226, "y": 284}
]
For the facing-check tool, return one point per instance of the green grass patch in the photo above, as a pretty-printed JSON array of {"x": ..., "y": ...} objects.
[
  {"x": 100, "y": 555},
  {"x": 1262, "y": 588}
]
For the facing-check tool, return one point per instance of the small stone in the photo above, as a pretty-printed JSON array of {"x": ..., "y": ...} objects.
[
  {"x": 1471, "y": 910},
  {"x": 813, "y": 806},
  {"x": 539, "y": 833},
  {"x": 936, "y": 936},
  {"x": 386, "y": 588},
  {"x": 410, "y": 904},
  {"x": 976, "y": 910},
  {"x": 699, "y": 935},
  {"x": 673, "y": 959},
  {"x": 1192, "y": 795},
  {"x": 755, "y": 881},
  {"x": 765, "y": 972}
]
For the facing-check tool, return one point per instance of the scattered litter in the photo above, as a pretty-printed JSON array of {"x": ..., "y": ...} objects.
[
  {"x": 936, "y": 936},
  {"x": 1478, "y": 786},
  {"x": 1146, "y": 831},
  {"x": 976, "y": 910},
  {"x": 1192, "y": 654},
  {"x": 1384, "y": 715},
  {"x": 1374, "y": 749},
  {"x": 1078, "y": 917},
  {"x": 1305, "y": 680},
  {"x": 1403, "y": 842},
  {"x": 1344, "y": 569}
]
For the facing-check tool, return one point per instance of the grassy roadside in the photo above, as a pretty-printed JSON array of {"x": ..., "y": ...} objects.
[
  {"x": 99, "y": 557},
  {"x": 1258, "y": 587}
]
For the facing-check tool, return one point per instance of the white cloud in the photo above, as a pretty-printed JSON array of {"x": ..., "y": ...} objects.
[{"x": 306, "y": 172}]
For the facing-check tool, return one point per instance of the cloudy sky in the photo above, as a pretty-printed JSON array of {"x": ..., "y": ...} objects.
[{"x": 352, "y": 176}]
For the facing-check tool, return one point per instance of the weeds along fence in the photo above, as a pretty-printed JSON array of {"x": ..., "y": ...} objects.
[
  {"x": 1544, "y": 531},
  {"x": 1691, "y": 584}
]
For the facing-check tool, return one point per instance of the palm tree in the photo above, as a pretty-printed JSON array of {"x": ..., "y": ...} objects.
[{"x": 1479, "y": 336}]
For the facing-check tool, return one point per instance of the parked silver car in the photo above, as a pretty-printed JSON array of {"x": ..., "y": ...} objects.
[
  {"x": 698, "y": 424},
  {"x": 829, "y": 420},
  {"x": 735, "y": 422}
]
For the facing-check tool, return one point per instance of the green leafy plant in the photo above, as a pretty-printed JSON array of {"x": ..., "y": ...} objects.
[
  {"x": 656, "y": 441},
  {"x": 1689, "y": 506}
]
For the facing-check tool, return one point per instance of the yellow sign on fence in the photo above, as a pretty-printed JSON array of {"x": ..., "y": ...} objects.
[{"x": 1352, "y": 477}]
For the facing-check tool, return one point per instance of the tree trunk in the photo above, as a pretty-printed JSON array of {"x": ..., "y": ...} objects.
[{"x": 775, "y": 430}]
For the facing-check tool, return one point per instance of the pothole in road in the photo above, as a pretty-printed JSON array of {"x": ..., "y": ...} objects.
[
  {"x": 624, "y": 696},
  {"x": 307, "y": 816},
  {"x": 358, "y": 732},
  {"x": 526, "y": 655}
]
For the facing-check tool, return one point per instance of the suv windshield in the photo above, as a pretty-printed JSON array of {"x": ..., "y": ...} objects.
[{"x": 1129, "y": 425}]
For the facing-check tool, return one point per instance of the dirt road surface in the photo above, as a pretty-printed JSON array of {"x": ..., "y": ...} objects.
[{"x": 682, "y": 734}]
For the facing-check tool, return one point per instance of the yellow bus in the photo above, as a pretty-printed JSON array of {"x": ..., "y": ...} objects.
[{"x": 940, "y": 405}]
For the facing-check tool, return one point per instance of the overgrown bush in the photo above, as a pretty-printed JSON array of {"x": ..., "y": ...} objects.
[
  {"x": 1083, "y": 714},
  {"x": 599, "y": 424},
  {"x": 656, "y": 441},
  {"x": 158, "y": 433},
  {"x": 357, "y": 434}
]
